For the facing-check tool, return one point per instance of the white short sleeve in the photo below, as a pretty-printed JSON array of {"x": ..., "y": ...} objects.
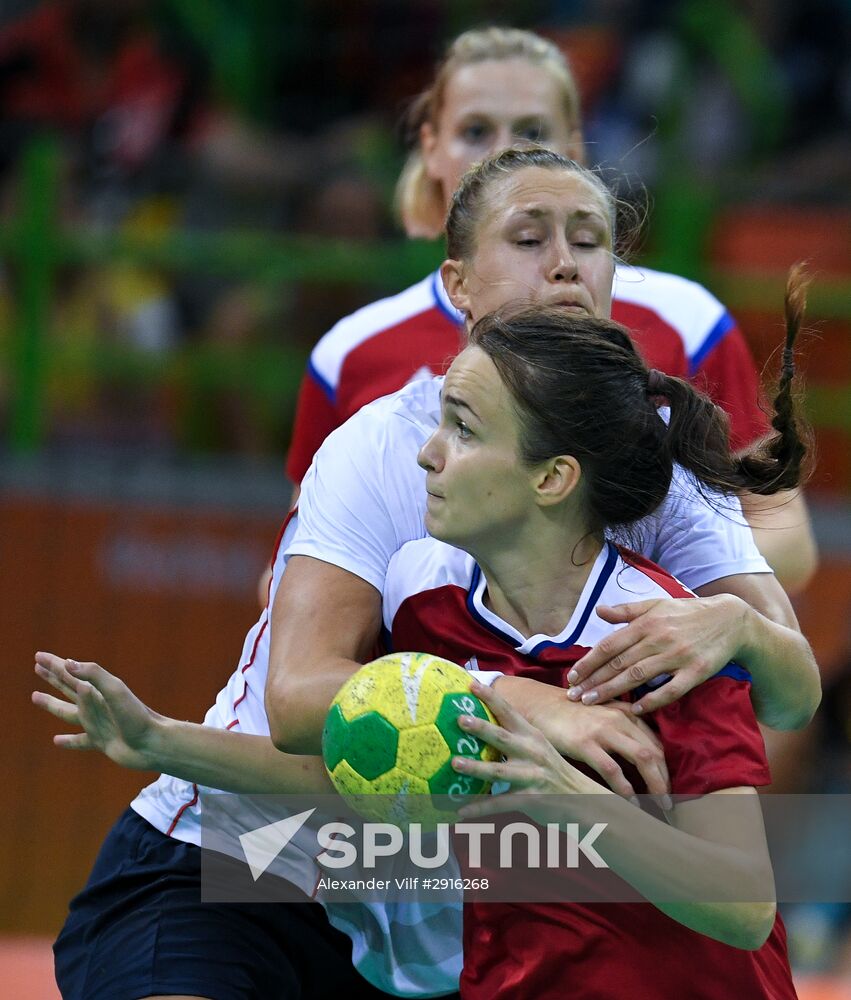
[
  {"x": 698, "y": 536},
  {"x": 364, "y": 495}
]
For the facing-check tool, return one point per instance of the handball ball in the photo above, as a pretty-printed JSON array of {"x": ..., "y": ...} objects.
[{"x": 392, "y": 731}]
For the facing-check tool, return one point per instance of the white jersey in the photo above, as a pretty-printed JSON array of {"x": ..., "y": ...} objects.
[{"x": 364, "y": 498}]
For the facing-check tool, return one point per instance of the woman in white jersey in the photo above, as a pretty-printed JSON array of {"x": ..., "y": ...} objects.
[
  {"x": 362, "y": 497},
  {"x": 233, "y": 750},
  {"x": 496, "y": 87}
]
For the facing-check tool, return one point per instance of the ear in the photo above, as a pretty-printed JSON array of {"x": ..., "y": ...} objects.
[
  {"x": 455, "y": 283},
  {"x": 576, "y": 146},
  {"x": 428, "y": 144},
  {"x": 556, "y": 480}
]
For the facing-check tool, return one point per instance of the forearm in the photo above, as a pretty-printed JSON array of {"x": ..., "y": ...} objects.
[
  {"x": 297, "y": 703},
  {"x": 720, "y": 890},
  {"x": 786, "y": 688},
  {"x": 233, "y": 762}
]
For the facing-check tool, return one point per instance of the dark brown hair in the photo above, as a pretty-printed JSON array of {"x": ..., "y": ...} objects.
[{"x": 581, "y": 389}]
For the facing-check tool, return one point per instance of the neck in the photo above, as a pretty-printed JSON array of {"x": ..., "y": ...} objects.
[{"x": 535, "y": 584}]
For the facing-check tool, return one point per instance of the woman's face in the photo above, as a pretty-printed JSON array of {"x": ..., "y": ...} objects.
[
  {"x": 478, "y": 488},
  {"x": 544, "y": 237},
  {"x": 490, "y": 106}
]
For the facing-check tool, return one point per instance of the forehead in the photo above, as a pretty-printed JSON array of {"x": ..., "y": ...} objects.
[
  {"x": 536, "y": 189},
  {"x": 503, "y": 88},
  {"x": 473, "y": 379}
]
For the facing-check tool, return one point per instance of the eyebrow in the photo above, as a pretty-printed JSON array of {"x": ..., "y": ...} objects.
[
  {"x": 543, "y": 213},
  {"x": 459, "y": 404}
]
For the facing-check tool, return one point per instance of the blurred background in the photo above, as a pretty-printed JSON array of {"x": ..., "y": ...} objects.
[{"x": 192, "y": 193}]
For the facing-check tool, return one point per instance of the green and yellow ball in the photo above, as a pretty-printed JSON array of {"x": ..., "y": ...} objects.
[{"x": 391, "y": 733}]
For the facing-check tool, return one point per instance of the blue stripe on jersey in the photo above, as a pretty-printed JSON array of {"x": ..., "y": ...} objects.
[
  {"x": 602, "y": 579},
  {"x": 438, "y": 299},
  {"x": 733, "y": 670},
  {"x": 326, "y": 387},
  {"x": 717, "y": 333}
]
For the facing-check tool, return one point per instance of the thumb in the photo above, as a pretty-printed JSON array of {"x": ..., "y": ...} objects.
[{"x": 615, "y": 614}]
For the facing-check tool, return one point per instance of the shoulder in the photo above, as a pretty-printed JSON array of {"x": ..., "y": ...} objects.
[
  {"x": 412, "y": 411},
  {"x": 684, "y": 306},
  {"x": 424, "y": 566},
  {"x": 351, "y": 332}
]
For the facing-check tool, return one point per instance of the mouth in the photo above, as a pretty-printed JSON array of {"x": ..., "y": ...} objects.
[
  {"x": 434, "y": 496},
  {"x": 572, "y": 306}
]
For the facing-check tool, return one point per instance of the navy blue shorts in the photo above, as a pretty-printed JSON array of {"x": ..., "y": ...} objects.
[{"x": 139, "y": 929}]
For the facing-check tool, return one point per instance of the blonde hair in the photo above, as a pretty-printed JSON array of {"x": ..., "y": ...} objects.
[{"x": 419, "y": 199}]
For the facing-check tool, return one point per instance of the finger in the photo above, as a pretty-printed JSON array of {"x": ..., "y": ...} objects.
[
  {"x": 601, "y": 655},
  {"x": 615, "y": 614},
  {"x": 651, "y": 766},
  {"x": 510, "y": 744},
  {"x": 61, "y": 681},
  {"x": 61, "y": 710},
  {"x": 681, "y": 683},
  {"x": 642, "y": 671},
  {"x": 610, "y": 771},
  {"x": 73, "y": 741},
  {"x": 102, "y": 680},
  {"x": 519, "y": 774},
  {"x": 504, "y": 712},
  {"x": 645, "y": 755},
  {"x": 492, "y": 805}
]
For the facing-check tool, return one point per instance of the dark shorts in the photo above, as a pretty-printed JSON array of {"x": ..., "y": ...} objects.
[{"x": 139, "y": 929}]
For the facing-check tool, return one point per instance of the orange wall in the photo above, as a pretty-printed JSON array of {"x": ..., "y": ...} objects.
[{"x": 164, "y": 598}]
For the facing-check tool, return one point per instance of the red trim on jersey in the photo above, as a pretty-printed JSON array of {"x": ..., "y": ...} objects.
[
  {"x": 384, "y": 360},
  {"x": 659, "y": 576},
  {"x": 182, "y": 810},
  {"x": 253, "y": 655}
]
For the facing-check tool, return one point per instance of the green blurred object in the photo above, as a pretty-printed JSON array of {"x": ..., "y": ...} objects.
[{"x": 33, "y": 244}]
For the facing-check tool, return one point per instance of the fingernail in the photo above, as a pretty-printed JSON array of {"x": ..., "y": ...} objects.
[
  {"x": 459, "y": 763},
  {"x": 590, "y": 698},
  {"x": 667, "y": 803},
  {"x": 72, "y": 665},
  {"x": 574, "y": 693},
  {"x": 465, "y": 721},
  {"x": 637, "y": 709},
  {"x": 573, "y": 676}
]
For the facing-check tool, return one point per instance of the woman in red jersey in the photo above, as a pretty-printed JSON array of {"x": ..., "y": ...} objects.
[
  {"x": 550, "y": 438},
  {"x": 494, "y": 88}
]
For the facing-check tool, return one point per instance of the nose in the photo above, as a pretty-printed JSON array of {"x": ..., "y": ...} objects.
[
  {"x": 564, "y": 267},
  {"x": 503, "y": 138},
  {"x": 430, "y": 455}
]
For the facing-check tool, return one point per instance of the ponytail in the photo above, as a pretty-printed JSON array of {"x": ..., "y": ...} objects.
[
  {"x": 698, "y": 432},
  {"x": 581, "y": 389}
]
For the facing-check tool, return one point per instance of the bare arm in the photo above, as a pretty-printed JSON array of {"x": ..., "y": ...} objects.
[
  {"x": 746, "y": 618},
  {"x": 783, "y": 532},
  {"x": 119, "y": 725},
  {"x": 709, "y": 852},
  {"x": 325, "y": 622}
]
